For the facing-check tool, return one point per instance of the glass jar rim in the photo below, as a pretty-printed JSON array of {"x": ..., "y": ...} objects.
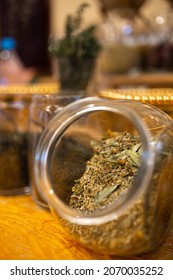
[
  {"x": 36, "y": 98},
  {"x": 58, "y": 125}
]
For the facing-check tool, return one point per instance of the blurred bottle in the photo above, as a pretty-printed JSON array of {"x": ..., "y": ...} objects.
[{"x": 12, "y": 69}]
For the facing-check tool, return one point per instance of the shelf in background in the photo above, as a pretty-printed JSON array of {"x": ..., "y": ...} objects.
[{"x": 150, "y": 80}]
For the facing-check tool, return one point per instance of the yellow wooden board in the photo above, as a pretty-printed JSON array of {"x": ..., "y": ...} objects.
[{"x": 28, "y": 232}]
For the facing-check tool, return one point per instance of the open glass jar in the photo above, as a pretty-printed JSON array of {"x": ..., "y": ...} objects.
[{"x": 105, "y": 168}]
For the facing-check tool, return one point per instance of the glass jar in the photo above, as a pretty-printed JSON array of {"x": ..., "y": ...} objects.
[
  {"x": 105, "y": 168},
  {"x": 121, "y": 33},
  {"x": 156, "y": 49},
  {"x": 42, "y": 109},
  {"x": 15, "y": 101},
  {"x": 14, "y": 177}
]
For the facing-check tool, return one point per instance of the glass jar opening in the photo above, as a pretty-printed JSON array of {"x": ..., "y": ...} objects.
[{"x": 90, "y": 158}]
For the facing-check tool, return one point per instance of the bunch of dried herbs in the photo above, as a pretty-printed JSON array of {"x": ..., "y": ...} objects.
[
  {"x": 76, "y": 52},
  {"x": 77, "y": 42}
]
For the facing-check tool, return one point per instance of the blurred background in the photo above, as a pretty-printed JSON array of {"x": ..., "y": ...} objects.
[{"x": 136, "y": 38}]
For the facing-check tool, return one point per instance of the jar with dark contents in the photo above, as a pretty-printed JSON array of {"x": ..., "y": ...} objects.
[
  {"x": 14, "y": 178},
  {"x": 105, "y": 168}
]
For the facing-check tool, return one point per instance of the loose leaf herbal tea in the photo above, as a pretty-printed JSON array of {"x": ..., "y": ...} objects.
[
  {"x": 13, "y": 162},
  {"x": 109, "y": 173}
]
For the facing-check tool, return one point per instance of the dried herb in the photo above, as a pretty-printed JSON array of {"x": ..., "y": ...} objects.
[
  {"x": 77, "y": 42},
  {"x": 14, "y": 178},
  {"x": 109, "y": 173},
  {"x": 104, "y": 193},
  {"x": 76, "y": 51},
  {"x": 13, "y": 162}
]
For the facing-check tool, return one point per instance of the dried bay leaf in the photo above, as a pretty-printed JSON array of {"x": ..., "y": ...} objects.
[{"x": 104, "y": 193}]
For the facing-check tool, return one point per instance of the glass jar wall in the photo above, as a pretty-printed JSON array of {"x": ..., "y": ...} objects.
[
  {"x": 105, "y": 168},
  {"x": 14, "y": 178},
  {"x": 42, "y": 109}
]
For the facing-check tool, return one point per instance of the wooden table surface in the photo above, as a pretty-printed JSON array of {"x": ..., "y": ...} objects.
[{"x": 28, "y": 232}]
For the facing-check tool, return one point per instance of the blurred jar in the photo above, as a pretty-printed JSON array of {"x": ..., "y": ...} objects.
[
  {"x": 110, "y": 196},
  {"x": 14, "y": 178},
  {"x": 156, "y": 50},
  {"x": 135, "y": 42},
  {"x": 42, "y": 109},
  {"x": 122, "y": 30},
  {"x": 15, "y": 101}
]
